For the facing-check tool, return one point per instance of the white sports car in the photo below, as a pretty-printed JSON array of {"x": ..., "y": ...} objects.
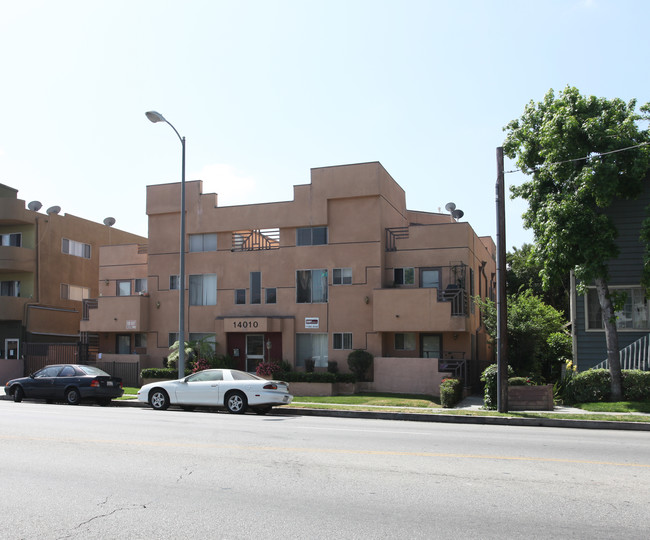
[{"x": 235, "y": 390}]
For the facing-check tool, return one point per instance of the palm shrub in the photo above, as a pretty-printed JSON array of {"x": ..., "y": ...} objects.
[{"x": 359, "y": 362}]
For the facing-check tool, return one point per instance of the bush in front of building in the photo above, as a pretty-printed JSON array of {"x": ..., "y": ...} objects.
[
  {"x": 162, "y": 373},
  {"x": 359, "y": 362},
  {"x": 489, "y": 378},
  {"x": 594, "y": 385},
  {"x": 451, "y": 392},
  {"x": 636, "y": 385},
  {"x": 520, "y": 381}
]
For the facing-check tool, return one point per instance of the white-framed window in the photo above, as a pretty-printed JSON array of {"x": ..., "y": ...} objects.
[
  {"x": 11, "y": 239},
  {"x": 342, "y": 276},
  {"x": 203, "y": 290},
  {"x": 635, "y": 314},
  {"x": 270, "y": 295},
  {"x": 174, "y": 282},
  {"x": 72, "y": 247},
  {"x": 404, "y": 276},
  {"x": 311, "y": 236},
  {"x": 9, "y": 288},
  {"x": 203, "y": 242},
  {"x": 74, "y": 292},
  {"x": 405, "y": 341},
  {"x": 313, "y": 347},
  {"x": 311, "y": 286},
  {"x": 342, "y": 340}
]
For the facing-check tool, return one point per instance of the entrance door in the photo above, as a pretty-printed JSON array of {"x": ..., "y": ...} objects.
[
  {"x": 431, "y": 345},
  {"x": 254, "y": 351},
  {"x": 11, "y": 349}
]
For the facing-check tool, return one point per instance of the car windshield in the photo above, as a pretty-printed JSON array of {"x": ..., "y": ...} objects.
[
  {"x": 92, "y": 370},
  {"x": 241, "y": 376}
]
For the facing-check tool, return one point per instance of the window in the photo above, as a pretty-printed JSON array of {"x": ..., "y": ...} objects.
[
  {"x": 342, "y": 340},
  {"x": 256, "y": 287},
  {"x": 173, "y": 283},
  {"x": 430, "y": 278},
  {"x": 203, "y": 242},
  {"x": 633, "y": 316},
  {"x": 123, "y": 344},
  {"x": 203, "y": 290},
  {"x": 311, "y": 236},
  {"x": 311, "y": 347},
  {"x": 404, "y": 276},
  {"x": 405, "y": 342},
  {"x": 9, "y": 288},
  {"x": 240, "y": 296},
  {"x": 270, "y": 296},
  {"x": 123, "y": 287},
  {"x": 74, "y": 292},
  {"x": 342, "y": 276},
  {"x": 140, "y": 340},
  {"x": 206, "y": 341},
  {"x": 78, "y": 249},
  {"x": 140, "y": 285},
  {"x": 173, "y": 338},
  {"x": 11, "y": 239},
  {"x": 311, "y": 286}
]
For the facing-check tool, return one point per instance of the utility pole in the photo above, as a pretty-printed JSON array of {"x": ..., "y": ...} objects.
[{"x": 502, "y": 305}]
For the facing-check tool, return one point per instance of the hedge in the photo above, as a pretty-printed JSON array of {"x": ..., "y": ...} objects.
[{"x": 451, "y": 392}]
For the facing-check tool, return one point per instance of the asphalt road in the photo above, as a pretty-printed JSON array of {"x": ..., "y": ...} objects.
[{"x": 93, "y": 472}]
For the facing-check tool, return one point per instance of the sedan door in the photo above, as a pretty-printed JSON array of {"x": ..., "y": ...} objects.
[
  {"x": 42, "y": 384},
  {"x": 202, "y": 388}
]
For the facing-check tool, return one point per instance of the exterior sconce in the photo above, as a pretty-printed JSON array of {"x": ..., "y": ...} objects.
[
  {"x": 106, "y": 281},
  {"x": 366, "y": 299},
  {"x": 158, "y": 304}
]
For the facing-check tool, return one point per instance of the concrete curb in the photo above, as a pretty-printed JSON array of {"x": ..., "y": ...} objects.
[{"x": 446, "y": 418}]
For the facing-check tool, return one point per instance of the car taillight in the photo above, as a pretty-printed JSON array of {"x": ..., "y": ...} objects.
[
  {"x": 95, "y": 384},
  {"x": 270, "y": 386}
]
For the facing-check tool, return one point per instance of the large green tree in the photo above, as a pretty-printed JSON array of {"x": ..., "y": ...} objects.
[{"x": 581, "y": 153}]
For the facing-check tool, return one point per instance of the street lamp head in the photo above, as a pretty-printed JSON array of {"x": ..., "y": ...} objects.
[{"x": 154, "y": 116}]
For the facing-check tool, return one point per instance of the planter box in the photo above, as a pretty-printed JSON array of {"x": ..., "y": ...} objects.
[
  {"x": 311, "y": 389},
  {"x": 530, "y": 398}
]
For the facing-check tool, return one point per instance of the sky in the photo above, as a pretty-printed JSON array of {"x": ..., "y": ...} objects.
[{"x": 265, "y": 90}]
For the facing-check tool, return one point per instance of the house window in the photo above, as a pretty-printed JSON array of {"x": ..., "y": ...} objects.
[
  {"x": 140, "y": 285},
  {"x": 173, "y": 338},
  {"x": 140, "y": 340},
  {"x": 404, "y": 276},
  {"x": 123, "y": 287},
  {"x": 173, "y": 283},
  {"x": 78, "y": 249},
  {"x": 342, "y": 340},
  {"x": 203, "y": 290},
  {"x": 205, "y": 341},
  {"x": 270, "y": 296},
  {"x": 11, "y": 239},
  {"x": 256, "y": 287},
  {"x": 123, "y": 344},
  {"x": 405, "y": 342},
  {"x": 311, "y": 346},
  {"x": 635, "y": 314},
  {"x": 9, "y": 288},
  {"x": 74, "y": 292},
  {"x": 240, "y": 296},
  {"x": 342, "y": 276},
  {"x": 430, "y": 278},
  {"x": 311, "y": 286},
  {"x": 311, "y": 236},
  {"x": 203, "y": 242}
]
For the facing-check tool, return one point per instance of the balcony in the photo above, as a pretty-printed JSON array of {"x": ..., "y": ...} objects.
[
  {"x": 116, "y": 314},
  {"x": 17, "y": 259},
  {"x": 415, "y": 310},
  {"x": 12, "y": 308}
]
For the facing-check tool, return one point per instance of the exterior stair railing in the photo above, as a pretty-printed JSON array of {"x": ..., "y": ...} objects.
[{"x": 635, "y": 356}]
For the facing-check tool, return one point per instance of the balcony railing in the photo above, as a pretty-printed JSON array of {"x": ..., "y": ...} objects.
[{"x": 256, "y": 240}]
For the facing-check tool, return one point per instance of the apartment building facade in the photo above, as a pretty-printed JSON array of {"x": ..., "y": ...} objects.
[
  {"x": 344, "y": 265},
  {"x": 48, "y": 266}
]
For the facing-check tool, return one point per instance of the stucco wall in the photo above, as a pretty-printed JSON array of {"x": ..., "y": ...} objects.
[{"x": 406, "y": 375}]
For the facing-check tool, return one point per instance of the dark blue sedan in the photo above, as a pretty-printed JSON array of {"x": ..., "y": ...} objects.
[{"x": 71, "y": 383}]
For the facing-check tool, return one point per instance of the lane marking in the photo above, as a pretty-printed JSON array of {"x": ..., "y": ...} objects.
[{"x": 339, "y": 451}]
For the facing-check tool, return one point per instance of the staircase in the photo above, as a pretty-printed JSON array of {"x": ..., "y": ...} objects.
[{"x": 634, "y": 356}]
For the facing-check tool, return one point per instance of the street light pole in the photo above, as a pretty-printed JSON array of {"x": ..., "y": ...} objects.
[{"x": 154, "y": 117}]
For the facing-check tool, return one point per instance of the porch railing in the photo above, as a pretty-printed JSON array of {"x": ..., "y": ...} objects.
[{"x": 635, "y": 356}]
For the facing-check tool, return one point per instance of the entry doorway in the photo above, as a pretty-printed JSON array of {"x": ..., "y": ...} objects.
[
  {"x": 431, "y": 345},
  {"x": 12, "y": 349},
  {"x": 254, "y": 351}
]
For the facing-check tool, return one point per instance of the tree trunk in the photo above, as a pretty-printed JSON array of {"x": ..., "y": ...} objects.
[{"x": 611, "y": 338}]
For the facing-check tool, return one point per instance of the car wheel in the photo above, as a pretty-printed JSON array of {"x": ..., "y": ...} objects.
[
  {"x": 236, "y": 403},
  {"x": 158, "y": 399},
  {"x": 19, "y": 394},
  {"x": 72, "y": 396},
  {"x": 104, "y": 401},
  {"x": 261, "y": 410}
]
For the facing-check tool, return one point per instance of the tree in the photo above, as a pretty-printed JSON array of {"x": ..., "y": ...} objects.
[
  {"x": 538, "y": 343},
  {"x": 581, "y": 153}
]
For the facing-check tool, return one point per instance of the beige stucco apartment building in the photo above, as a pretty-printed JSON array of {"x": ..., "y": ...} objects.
[
  {"x": 49, "y": 264},
  {"x": 344, "y": 265}
]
